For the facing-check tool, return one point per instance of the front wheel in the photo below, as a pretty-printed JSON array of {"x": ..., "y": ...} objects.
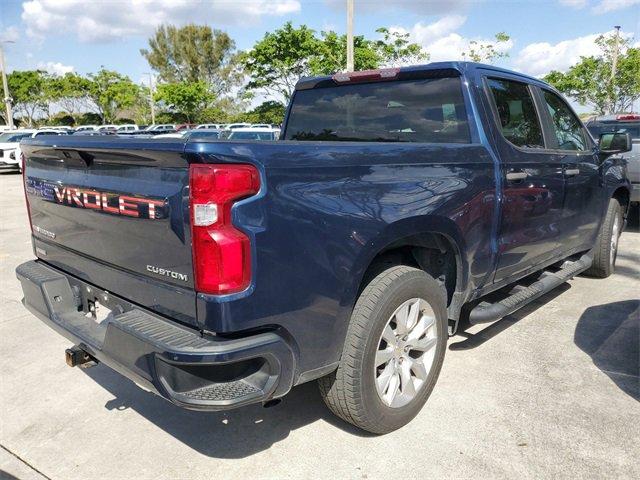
[
  {"x": 393, "y": 351},
  {"x": 605, "y": 250}
]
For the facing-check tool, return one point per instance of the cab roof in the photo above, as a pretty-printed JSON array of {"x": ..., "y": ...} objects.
[{"x": 414, "y": 71}]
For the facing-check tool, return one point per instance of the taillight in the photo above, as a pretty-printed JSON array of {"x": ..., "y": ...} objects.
[
  {"x": 221, "y": 252},
  {"x": 23, "y": 162}
]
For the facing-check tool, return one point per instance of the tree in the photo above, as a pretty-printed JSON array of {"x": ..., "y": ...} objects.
[
  {"x": 267, "y": 112},
  {"x": 193, "y": 53},
  {"x": 280, "y": 58},
  {"x": 330, "y": 55},
  {"x": 486, "y": 52},
  {"x": 111, "y": 92},
  {"x": 187, "y": 98},
  {"x": 276, "y": 62},
  {"x": 589, "y": 81},
  {"x": 30, "y": 93},
  {"x": 395, "y": 49},
  {"x": 70, "y": 92}
]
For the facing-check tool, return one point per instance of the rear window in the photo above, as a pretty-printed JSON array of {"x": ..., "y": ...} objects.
[{"x": 427, "y": 110}]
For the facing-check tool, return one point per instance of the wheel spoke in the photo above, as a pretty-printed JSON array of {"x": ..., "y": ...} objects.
[
  {"x": 383, "y": 380},
  {"x": 418, "y": 369},
  {"x": 421, "y": 328},
  {"x": 383, "y": 356},
  {"x": 414, "y": 312},
  {"x": 392, "y": 390},
  {"x": 402, "y": 317},
  {"x": 388, "y": 335},
  {"x": 408, "y": 389},
  {"x": 424, "y": 345}
]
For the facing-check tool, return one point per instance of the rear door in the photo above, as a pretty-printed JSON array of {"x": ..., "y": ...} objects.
[
  {"x": 115, "y": 217},
  {"x": 533, "y": 184},
  {"x": 573, "y": 148}
]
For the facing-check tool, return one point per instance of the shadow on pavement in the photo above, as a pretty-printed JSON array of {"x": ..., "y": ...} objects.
[
  {"x": 231, "y": 434},
  {"x": 610, "y": 335}
]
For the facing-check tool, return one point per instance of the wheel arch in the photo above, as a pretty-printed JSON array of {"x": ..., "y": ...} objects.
[{"x": 413, "y": 241}]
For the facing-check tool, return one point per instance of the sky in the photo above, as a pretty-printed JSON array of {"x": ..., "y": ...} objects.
[{"x": 81, "y": 35}]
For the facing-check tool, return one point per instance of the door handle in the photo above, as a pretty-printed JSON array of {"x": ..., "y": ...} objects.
[
  {"x": 514, "y": 176},
  {"x": 571, "y": 172}
]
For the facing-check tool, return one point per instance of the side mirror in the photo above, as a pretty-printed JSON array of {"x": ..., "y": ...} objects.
[{"x": 613, "y": 143}]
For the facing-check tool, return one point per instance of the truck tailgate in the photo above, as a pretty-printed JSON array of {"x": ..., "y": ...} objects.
[{"x": 117, "y": 218}]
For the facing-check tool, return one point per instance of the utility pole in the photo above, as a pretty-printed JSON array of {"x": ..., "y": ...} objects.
[
  {"x": 614, "y": 65},
  {"x": 151, "y": 102},
  {"x": 350, "y": 63},
  {"x": 7, "y": 97}
]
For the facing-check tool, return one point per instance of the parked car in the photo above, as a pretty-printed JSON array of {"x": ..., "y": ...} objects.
[
  {"x": 62, "y": 128},
  {"x": 222, "y": 273},
  {"x": 233, "y": 126},
  {"x": 191, "y": 134},
  {"x": 10, "y": 145},
  {"x": 86, "y": 128},
  {"x": 254, "y": 133},
  {"x": 92, "y": 132},
  {"x": 9, "y": 148},
  {"x": 127, "y": 128},
  {"x": 110, "y": 129},
  {"x": 624, "y": 123},
  {"x": 209, "y": 133},
  {"x": 185, "y": 126},
  {"x": 216, "y": 126},
  {"x": 261, "y": 125},
  {"x": 163, "y": 128}
]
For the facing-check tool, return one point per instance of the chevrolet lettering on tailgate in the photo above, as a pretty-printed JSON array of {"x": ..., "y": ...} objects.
[{"x": 108, "y": 202}]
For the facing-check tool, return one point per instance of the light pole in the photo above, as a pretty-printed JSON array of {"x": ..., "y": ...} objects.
[
  {"x": 7, "y": 98},
  {"x": 151, "y": 102},
  {"x": 350, "y": 63}
]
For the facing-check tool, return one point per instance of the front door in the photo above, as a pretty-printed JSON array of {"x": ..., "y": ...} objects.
[
  {"x": 578, "y": 155},
  {"x": 532, "y": 176}
]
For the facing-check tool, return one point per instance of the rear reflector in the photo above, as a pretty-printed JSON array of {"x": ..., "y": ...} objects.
[
  {"x": 221, "y": 252},
  {"x": 366, "y": 75}
]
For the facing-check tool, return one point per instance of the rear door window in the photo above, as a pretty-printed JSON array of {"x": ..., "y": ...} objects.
[
  {"x": 566, "y": 126},
  {"x": 517, "y": 117},
  {"x": 426, "y": 110}
]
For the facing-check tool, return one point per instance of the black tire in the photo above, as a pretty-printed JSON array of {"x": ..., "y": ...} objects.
[
  {"x": 350, "y": 392},
  {"x": 605, "y": 250}
]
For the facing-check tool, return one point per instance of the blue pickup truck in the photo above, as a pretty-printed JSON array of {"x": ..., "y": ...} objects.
[{"x": 398, "y": 202}]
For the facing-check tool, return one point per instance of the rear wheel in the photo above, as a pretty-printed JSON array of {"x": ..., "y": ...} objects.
[
  {"x": 605, "y": 250},
  {"x": 393, "y": 352}
]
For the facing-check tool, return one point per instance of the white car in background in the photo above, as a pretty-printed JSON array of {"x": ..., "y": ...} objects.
[
  {"x": 62, "y": 128},
  {"x": 209, "y": 126},
  {"x": 259, "y": 133},
  {"x": 107, "y": 128},
  {"x": 10, "y": 146},
  {"x": 233, "y": 126},
  {"x": 132, "y": 127},
  {"x": 86, "y": 128}
]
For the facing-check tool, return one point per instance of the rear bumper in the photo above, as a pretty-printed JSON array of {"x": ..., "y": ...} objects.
[{"x": 178, "y": 363}]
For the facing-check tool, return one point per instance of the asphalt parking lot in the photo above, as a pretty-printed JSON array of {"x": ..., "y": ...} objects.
[{"x": 551, "y": 391}]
